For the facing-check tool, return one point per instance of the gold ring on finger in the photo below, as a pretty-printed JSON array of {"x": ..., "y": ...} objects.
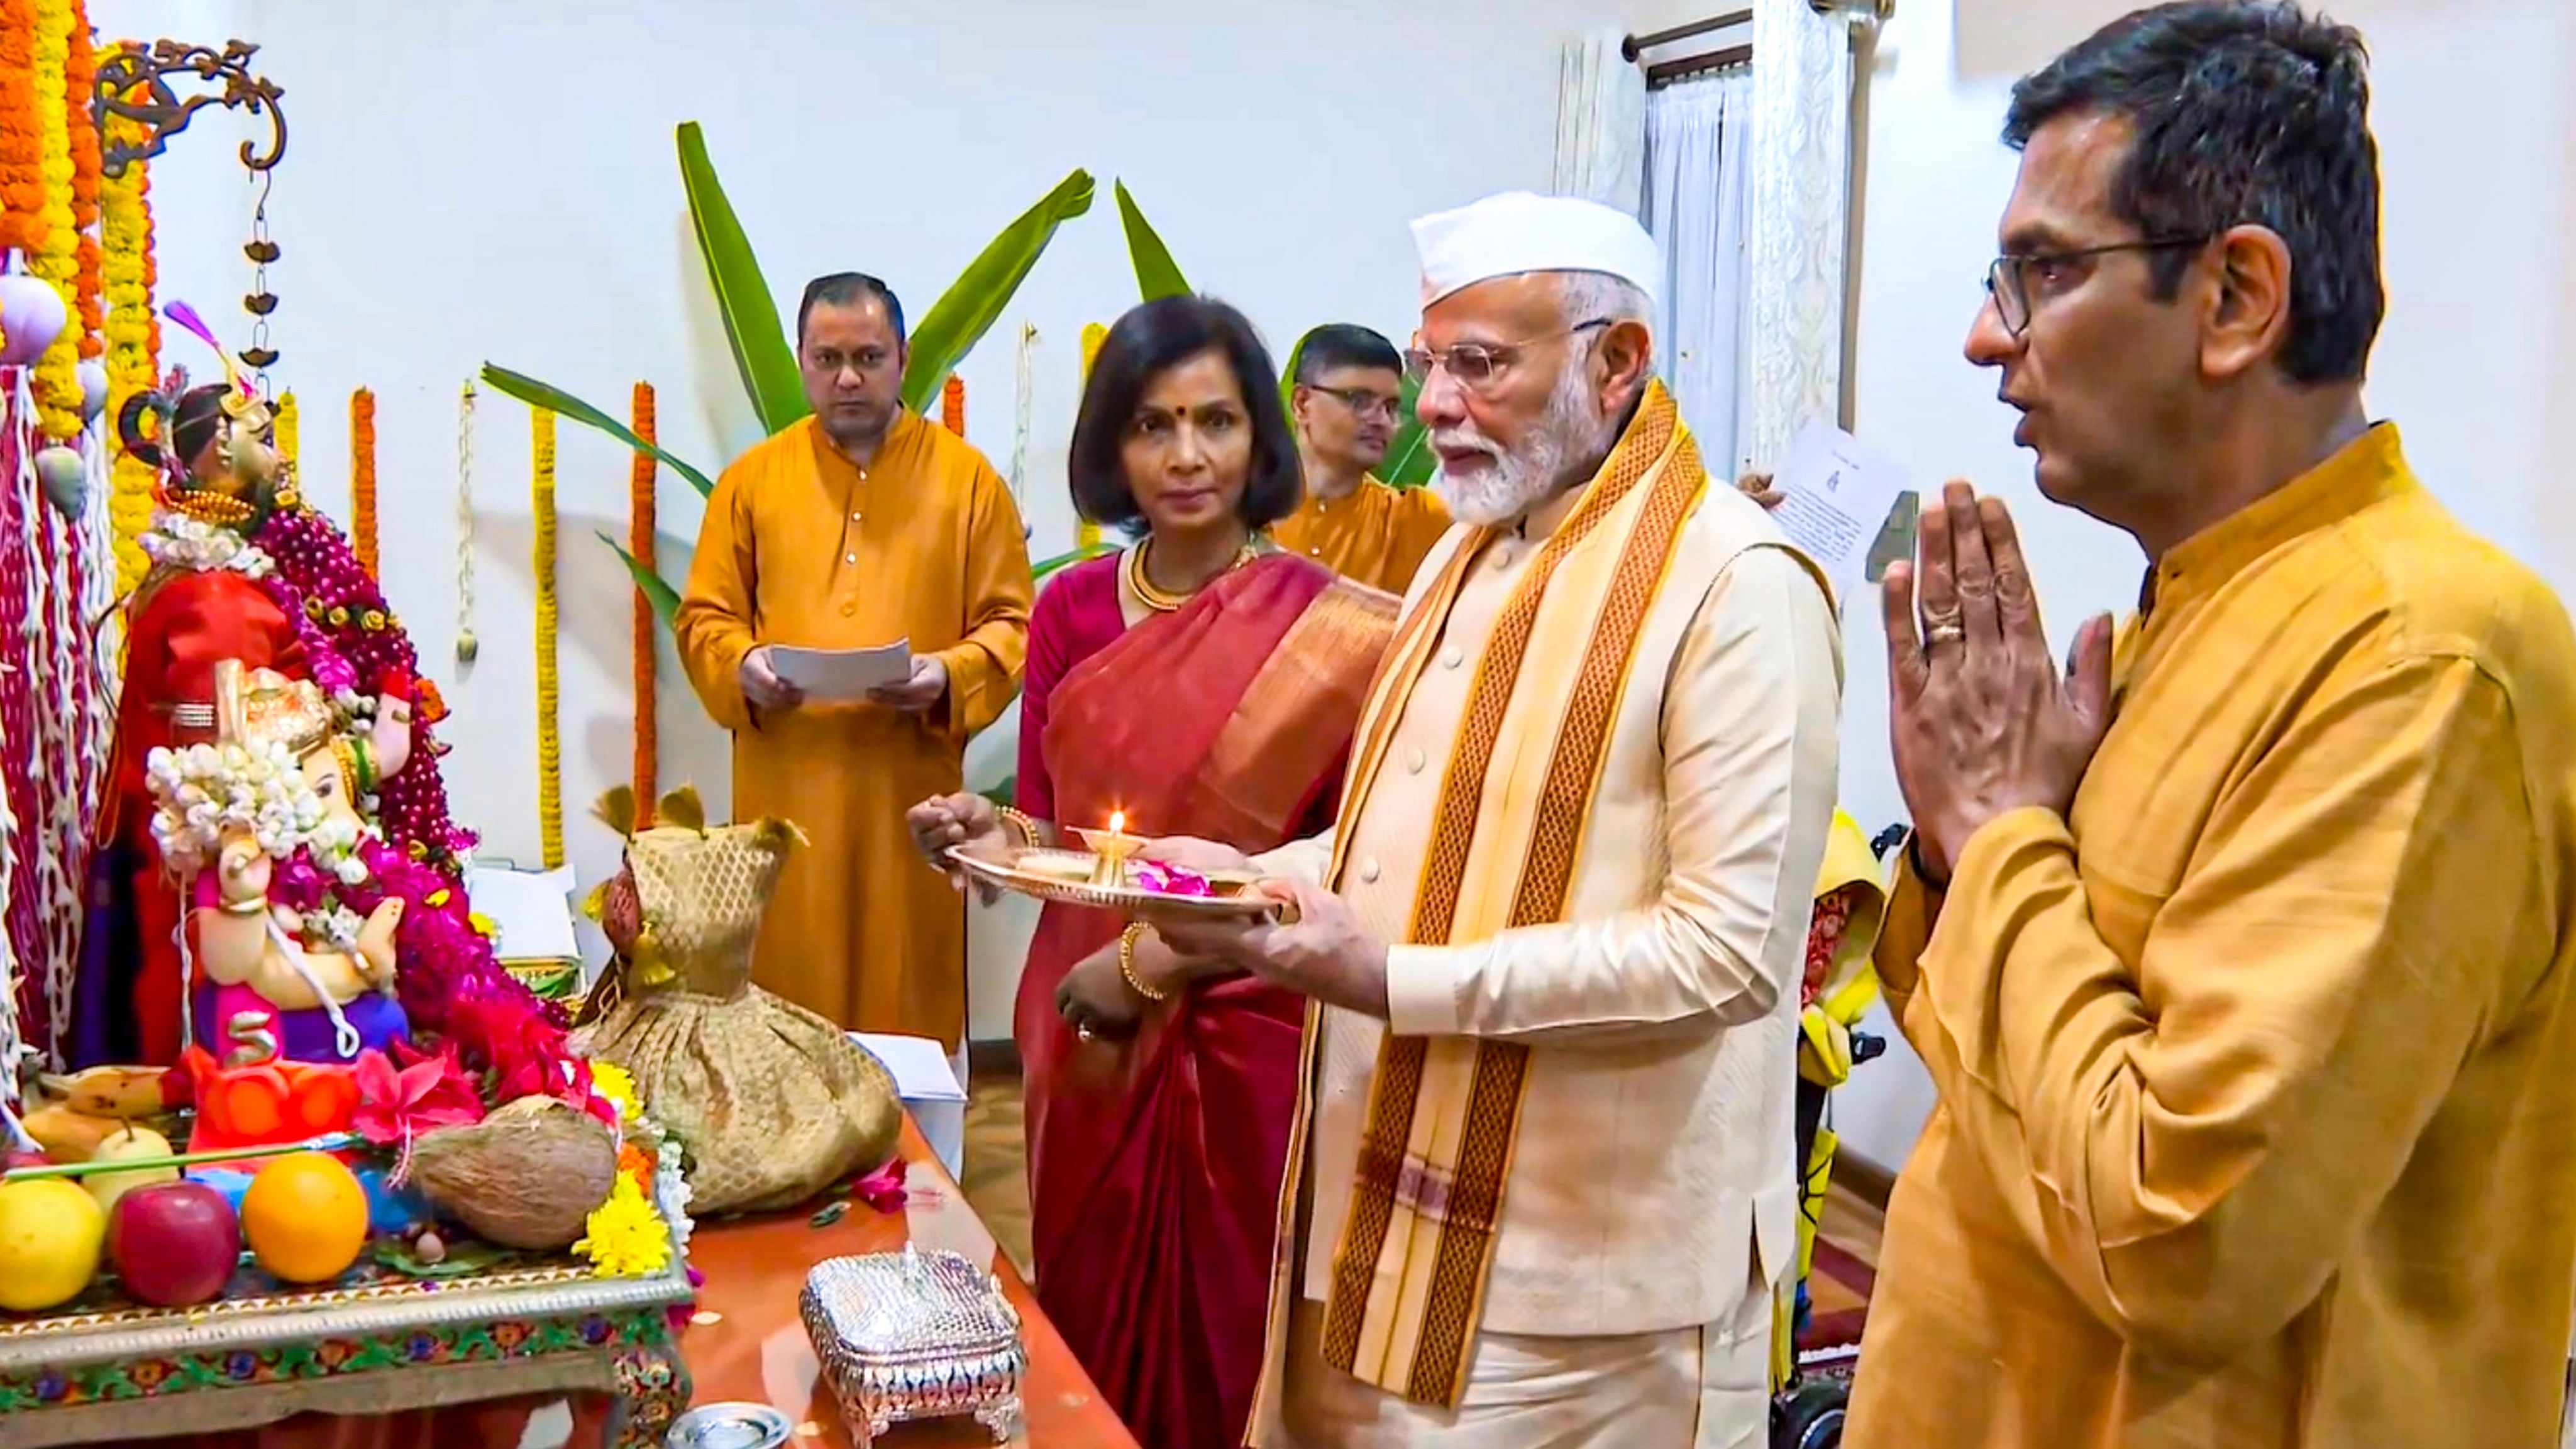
[{"x": 1948, "y": 631}]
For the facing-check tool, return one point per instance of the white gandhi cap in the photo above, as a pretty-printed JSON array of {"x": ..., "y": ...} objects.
[{"x": 1516, "y": 232}]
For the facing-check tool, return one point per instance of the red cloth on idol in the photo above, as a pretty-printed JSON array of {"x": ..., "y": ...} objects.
[
  {"x": 178, "y": 629},
  {"x": 1155, "y": 1163}
]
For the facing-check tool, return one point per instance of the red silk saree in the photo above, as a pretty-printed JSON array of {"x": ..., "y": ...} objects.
[{"x": 1155, "y": 1162}]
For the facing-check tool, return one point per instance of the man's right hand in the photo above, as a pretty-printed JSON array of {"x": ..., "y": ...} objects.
[
  {"x": 1191, "y": 853},
  {"x": 761, "y": 685}
]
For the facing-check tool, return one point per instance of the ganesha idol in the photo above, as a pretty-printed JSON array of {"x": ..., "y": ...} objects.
[{"x": 262, "y": 829}]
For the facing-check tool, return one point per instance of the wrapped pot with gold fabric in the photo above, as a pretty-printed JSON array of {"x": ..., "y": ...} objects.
[{"x": 773, "y": 1103}]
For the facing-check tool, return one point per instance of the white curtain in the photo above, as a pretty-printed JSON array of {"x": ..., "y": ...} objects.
[
  {"x": 1600, "y": 122},
  {"x": 1698, "y": 139},
  {"x": 1800, "y": 192}
]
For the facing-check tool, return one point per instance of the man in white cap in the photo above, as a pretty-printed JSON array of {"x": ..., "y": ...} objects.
[{"x": 1541, "y": 1190}]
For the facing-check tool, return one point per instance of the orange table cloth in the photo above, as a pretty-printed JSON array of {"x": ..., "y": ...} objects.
[{"x": 746, "y": 1342}]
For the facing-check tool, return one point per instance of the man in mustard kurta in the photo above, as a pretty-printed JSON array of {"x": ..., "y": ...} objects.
[
  {"x": 1346, "y": 401},
  {"x": 2240, "y": 956},
  {"x": 857, "y": 527}
]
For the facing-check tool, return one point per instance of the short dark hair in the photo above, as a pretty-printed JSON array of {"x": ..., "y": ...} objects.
[
  {"x": 849, "y": 289},
  {"x": 2240, "y": 111},
  {"x": 1342, "y": 344},
  {"x": 1149, "y": 341}
]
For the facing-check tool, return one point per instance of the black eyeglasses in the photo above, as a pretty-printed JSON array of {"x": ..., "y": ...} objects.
[
  {"x": 1361, "y": 401},
  {"x": 2008, "y": 281}
]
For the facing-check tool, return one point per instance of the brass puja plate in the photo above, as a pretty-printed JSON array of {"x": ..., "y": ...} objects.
[{"x": 1076, "y": 878}]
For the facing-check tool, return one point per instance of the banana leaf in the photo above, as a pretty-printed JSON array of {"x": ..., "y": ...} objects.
[
  {"x": 555, "y": 400},
  {"x": 1157, "y": 275},
  {"x": 1409, "y": 459},
  {"x": 657, "y": 589},
  {"x": 1046, "y": 566},
  {"x": 972, "y": 303},
  {"x": 760, "y": 348}
]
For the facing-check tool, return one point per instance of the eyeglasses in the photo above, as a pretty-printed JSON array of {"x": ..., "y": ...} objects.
[
  {"x": 2009, "y": 280},
  {"x": 1363, "y": 402},
  {"x": 1474, "y": 364}
]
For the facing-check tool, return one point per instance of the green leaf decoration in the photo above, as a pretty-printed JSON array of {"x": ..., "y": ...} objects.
[
  {"x": 760, "y": 348},
  {"x": 465, "y": 1258},
  {"x": 1006, "y": 793},
  {"x": 943, "y": 336},
  {"x": 1409, "y": 459},
  {"x": 1046, "y": 566},
  {"x": 555, "y": 400},
  {"x": 1157, "y": 275},
  {"x": 1288, "y": 379},
  {"x": 664, "y": 598}
]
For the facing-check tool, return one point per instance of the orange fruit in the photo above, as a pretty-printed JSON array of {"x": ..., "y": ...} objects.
[{"x": 305, "y": 1218}]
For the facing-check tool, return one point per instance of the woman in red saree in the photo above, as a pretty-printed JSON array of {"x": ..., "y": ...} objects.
[{"x": 1201, "y": 685}]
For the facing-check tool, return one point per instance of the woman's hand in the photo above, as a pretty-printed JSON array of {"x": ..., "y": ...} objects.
[
  {"x": 1095, "y": 999},
  {"x": 962, "y": 822}
]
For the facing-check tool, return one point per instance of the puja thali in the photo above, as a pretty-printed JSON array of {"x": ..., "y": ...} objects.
[{"x": 1105, "y": 877}]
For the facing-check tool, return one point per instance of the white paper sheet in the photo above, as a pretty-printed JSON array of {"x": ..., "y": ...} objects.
[
  {"x": 532, "y": 910},
  {"x": 1835, "y": 495},
  {"x": 842, "y": 676}
]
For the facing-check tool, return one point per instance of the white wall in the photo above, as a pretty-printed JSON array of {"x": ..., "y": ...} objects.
[
  {"x": 2476, "y": 120},
  {"x": 472, "y": 180}
]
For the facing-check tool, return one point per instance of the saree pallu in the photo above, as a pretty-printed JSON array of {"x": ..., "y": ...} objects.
[{"x": 1154, "y": 1163}]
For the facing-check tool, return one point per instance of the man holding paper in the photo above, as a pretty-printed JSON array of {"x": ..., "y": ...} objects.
[{"x": 829, "y": 551}]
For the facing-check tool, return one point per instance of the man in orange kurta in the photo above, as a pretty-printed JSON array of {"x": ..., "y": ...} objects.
[
  {"x": 1346, "y": 406},
  {"x": 860, "y": 526}
]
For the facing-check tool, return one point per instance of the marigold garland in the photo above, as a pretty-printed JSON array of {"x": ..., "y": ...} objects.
[
  {"x": 1086, "y": 534},
  {"x": 80, "y": 84},
  {"x": 541, "y": 430},
  {"x": 286, "y": 426},
  {"x": 362, "y": 479},
  {"x": 639, "y": 542},
  {"x": 952, "y": 404},
  {"x": 22, "y": 177},
  {"x": 56, "y": 256},
  {"x": 133, "y": 343}
]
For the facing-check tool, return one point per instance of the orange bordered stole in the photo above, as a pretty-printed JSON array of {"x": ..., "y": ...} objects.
[{"x": 1408, "y": 1276}]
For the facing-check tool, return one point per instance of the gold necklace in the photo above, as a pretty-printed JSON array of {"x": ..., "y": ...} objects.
[{"x": 1161, "y": 601}]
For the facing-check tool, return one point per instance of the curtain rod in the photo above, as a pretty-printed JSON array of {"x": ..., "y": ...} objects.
[
  {"x": 1691, "y": 67},
  {"x": 1637, "y": 45}
]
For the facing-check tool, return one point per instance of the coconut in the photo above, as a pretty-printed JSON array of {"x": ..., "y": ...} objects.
[{"x": 526, "y": 1177}]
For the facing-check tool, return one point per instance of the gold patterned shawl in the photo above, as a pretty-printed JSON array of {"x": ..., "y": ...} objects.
[{"x": 1409, "y": 1274}]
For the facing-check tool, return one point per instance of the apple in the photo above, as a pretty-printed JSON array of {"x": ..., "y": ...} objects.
[
  {"x": 129, "y": 1144},
  {"x": 174, "y": 1243}
]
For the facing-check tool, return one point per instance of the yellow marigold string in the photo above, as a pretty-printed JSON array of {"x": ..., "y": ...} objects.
[
  {"x": 549, "y": 742},
  {"x": 639, "y": 542},
  {"x": 362, "y": 479},
  {"x": 1086, "y": 534},
  {"x": 56, "y": 257},
  {"x": 625, "y": 1237},
  {"x": 133, "y": 342},
  {"x": 288, "y": 428},
  {"x": 80, "y": 83},
  {"x": 22, "y": 176},
  {"x": 952, "y": 404}
]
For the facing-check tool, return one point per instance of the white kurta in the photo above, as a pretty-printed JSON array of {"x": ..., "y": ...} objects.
[{"x": 1652, "y": 1200}]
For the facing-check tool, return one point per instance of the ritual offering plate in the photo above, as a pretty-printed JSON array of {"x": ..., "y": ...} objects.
[
  {"x": 915, "y": 1335},
  {"x": 1108, "y": 877}
]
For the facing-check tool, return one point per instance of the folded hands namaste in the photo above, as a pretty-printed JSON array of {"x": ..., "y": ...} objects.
[{"x": 1979, "y": 718}]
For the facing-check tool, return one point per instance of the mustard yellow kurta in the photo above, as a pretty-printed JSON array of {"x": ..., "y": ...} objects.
[
  {"x": 2258, "y": 1078},
  {"x": 1377, "y": 535},
  {"x": 801, "y": 547}
]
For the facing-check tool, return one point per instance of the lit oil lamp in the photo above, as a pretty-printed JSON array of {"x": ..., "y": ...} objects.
[{"x": 1110, "y": 851}]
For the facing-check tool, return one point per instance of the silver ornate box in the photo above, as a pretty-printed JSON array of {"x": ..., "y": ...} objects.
[{"x": 915, "y": 1335}]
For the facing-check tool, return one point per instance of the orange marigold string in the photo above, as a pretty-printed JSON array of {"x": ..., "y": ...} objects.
[
  {"x": 362, "y": 478},
  {"x": 639, "y": 542},
  {"x": 80, "y": 78},
  {"x": 22, "y": 179},
  {"x": 952, "y": 404}
]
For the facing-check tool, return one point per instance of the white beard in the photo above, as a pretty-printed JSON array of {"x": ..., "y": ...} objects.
[{"x": 1520, "y": 480}]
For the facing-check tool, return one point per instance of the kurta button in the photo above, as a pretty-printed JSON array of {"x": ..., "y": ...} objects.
[
  {"x": 1368, "y": 872},
  {"x": 848, "y": 609},
  {"x": 854, "y": 518},
  {"x": 1452, "y": 657},
  {"x": 849, "y": 558},
  {"x": 1413, "y": 762}
]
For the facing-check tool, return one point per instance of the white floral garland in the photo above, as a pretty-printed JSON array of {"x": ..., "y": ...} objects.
[
  {"x": 204, "y": 791},
  {"x": 178, "y": 541}
]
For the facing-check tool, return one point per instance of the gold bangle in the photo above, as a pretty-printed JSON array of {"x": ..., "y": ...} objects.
[
  {"x": 1127, "y": 964},
  {"x": 1018, "y": 820}
]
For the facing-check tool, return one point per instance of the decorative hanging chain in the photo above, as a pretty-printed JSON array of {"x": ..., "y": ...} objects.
[{"x": 261, "y": 302}]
